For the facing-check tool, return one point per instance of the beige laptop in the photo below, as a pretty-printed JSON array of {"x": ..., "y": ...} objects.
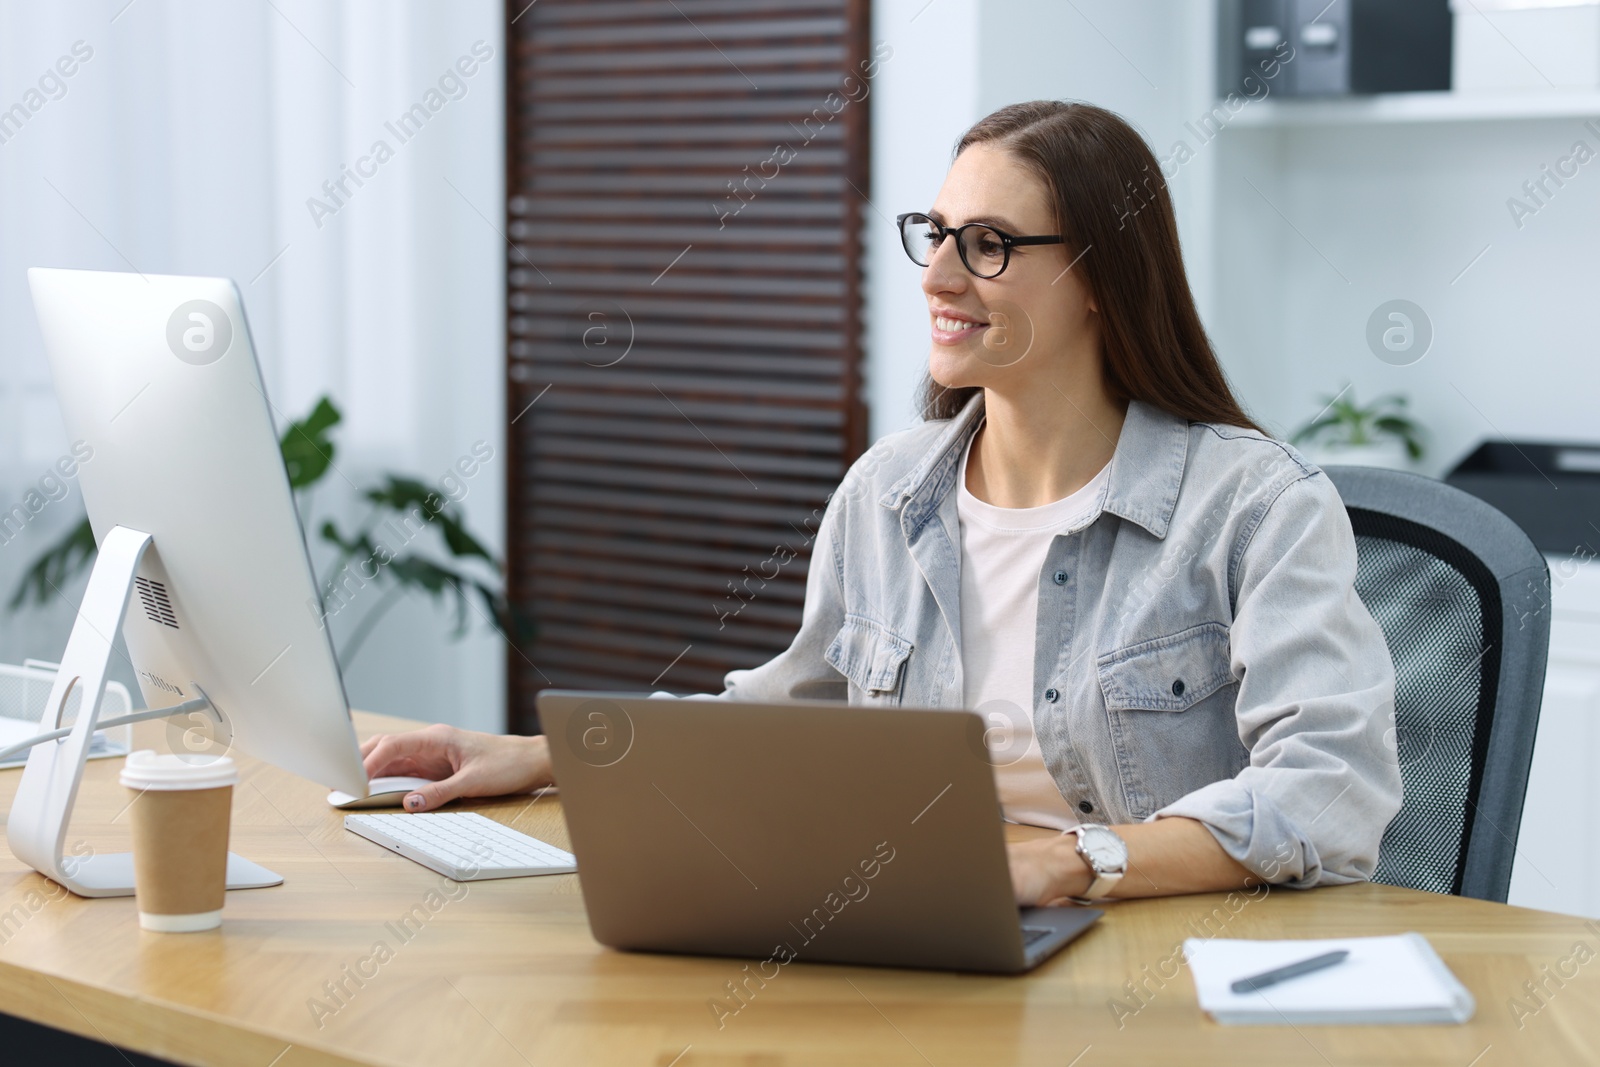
[{"x": 795, "y": 832}]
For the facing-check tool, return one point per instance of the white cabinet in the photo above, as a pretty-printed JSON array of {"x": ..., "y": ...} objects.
[{"x": 1558, "y": 852}]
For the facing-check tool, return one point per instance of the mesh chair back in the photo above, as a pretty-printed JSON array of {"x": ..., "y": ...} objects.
[
  {"x": 1462, "y": 596},
  {"x": 1440, "y": 610}
]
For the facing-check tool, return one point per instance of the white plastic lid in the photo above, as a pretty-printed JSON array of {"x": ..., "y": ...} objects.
[{"x": 149, "y": 769}]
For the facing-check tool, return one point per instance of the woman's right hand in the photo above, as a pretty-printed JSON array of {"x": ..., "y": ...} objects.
[{"x": 463, "y": 763}]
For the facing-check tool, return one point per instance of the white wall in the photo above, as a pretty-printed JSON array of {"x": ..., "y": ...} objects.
[
  {"x": 1401, "y": 210},
  {"x": 1149, "y": 61},
  {"x": 189, "y": 143},
  {"x": 924, "y": 97}
]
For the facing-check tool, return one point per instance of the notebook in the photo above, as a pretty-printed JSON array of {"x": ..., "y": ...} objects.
[{"x": 1397, "y": 979}]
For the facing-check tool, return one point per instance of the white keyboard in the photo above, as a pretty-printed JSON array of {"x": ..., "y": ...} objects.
[{"x": 463, "y": 846}]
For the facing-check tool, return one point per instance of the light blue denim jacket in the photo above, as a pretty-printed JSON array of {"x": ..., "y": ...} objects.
[{"x": 1200, "y": 648}]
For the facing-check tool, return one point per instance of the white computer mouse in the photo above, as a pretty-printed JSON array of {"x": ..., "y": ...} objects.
[{"x": 381, "y": 793}]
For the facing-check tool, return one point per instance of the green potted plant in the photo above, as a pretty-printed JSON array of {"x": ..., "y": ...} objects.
[
  {"x": 1379, "y": 434},
  {"x": 396, "y": 565}
]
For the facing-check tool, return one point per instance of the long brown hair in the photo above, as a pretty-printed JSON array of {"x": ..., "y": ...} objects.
[{"x": 1111, "y": 205}]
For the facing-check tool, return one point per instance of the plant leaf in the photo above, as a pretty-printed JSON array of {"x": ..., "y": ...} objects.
[
  {"x": 1311, "y": 429},
  {"x": 308, "y": 451},
  {"x": 56, "y": 566},
  {"x": 330, "y": 534},
  {"x": 436, "y": 580},
  {"x": 1403, "y": 428},
  {"x": 407, "y": 495},
  {"x": 1358, "y": 424}
]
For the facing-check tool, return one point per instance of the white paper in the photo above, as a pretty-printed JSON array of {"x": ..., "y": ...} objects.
[
  {"x": 14, "y": 730},
  {"x": 1397, "y": 977}
]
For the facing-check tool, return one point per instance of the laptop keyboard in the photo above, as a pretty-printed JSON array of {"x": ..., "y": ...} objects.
[{"x": 1032, "y": 934}]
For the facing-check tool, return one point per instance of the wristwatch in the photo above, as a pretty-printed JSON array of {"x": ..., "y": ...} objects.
[{"x": 1107, "y": 856}]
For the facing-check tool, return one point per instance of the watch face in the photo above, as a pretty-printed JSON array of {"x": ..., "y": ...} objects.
[{"x": 1108, "y": 850}]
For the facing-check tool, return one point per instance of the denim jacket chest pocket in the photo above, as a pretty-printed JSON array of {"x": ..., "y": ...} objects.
[
  {"x": 1170, "y": 707},
  {"x": 872, "y": 658}
]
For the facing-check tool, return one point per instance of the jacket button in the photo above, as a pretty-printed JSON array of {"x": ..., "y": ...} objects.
[
  {"x": 1061, "y": 577},
  {"x": 1177, "y": 688},
  {"x": 1051, "y": 695},
  {"x": 1085, "y": 807}
]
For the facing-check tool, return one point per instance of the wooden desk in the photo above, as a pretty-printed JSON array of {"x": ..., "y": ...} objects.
[{"x": 506, "y": 973}]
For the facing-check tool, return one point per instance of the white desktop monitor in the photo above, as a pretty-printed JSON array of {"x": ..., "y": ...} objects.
[{"x": 157, "y": 376}]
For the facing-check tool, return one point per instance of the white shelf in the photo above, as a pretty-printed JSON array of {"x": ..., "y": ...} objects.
[{"x": 1418, "y": 107}]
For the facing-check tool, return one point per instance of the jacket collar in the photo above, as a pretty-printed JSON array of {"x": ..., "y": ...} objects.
[{"x": 1142, "y": 487}]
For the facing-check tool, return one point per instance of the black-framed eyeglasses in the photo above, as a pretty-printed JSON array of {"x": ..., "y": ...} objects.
[{"x": 984, "y": 250}]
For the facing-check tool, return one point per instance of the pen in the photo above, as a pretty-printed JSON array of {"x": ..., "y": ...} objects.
[{"x": 1291, "y": 970}]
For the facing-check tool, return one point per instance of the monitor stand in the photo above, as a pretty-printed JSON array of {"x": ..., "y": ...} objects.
[{"x": 37, "y": 827}]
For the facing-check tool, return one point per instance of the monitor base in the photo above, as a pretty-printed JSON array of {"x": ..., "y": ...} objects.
[
  {"x": 111, "y": 874},
  {"x": 36, "y": 829}
]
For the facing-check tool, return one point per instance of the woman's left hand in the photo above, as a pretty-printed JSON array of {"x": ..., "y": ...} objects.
[{"x": 1047, "y": 871}]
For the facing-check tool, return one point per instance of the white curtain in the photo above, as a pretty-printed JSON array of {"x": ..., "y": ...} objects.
[{"x": 242, "y": 139}]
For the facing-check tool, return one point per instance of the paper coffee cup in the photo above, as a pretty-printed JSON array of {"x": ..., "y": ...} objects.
[{"x": 180, "y": 838}]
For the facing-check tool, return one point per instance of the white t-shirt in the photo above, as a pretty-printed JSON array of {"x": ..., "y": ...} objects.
[{"x": 1002, "y": 552}]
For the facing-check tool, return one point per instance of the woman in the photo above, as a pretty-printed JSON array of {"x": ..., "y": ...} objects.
[{"x": 1089, "y": 542}]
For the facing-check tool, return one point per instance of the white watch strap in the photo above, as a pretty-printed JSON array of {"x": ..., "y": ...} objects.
[
  {"x": 1102, "y": 884},
  {"x": 1104, "y": 880}
]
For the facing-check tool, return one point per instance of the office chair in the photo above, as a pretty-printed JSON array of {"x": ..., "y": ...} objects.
[{"x": 1463, "y": 598}]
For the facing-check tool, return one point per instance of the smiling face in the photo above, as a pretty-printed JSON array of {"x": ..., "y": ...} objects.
[{"x": 1010, "y": 333}]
